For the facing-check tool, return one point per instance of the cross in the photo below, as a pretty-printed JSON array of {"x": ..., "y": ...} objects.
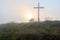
[{"x": 38, "y": 11}]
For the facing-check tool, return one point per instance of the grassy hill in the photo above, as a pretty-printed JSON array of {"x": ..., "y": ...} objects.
[{"x": 47, "y": 30}]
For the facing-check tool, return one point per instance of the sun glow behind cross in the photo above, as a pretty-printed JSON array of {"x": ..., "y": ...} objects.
[{"x": 29, "y": 16}]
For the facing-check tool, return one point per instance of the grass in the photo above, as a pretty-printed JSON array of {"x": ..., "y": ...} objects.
[{"x": 47, "y": 30}]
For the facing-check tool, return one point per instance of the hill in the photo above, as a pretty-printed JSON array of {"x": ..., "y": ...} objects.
[{"x": 47, "y": 30}]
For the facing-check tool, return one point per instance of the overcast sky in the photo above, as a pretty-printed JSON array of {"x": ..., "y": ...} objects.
[{"x": 15, "y": 10}]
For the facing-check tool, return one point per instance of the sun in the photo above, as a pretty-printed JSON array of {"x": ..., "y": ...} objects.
[{"x": 29, "y": 16}]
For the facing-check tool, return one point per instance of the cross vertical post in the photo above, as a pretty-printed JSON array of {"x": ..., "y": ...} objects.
[{"x": 38, "y": 11}]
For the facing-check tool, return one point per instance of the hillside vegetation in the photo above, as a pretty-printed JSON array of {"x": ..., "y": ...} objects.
[{"x": 47, "y": 30}]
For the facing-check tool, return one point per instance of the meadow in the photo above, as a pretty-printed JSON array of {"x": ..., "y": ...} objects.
[{"x": 47, "y": 30}]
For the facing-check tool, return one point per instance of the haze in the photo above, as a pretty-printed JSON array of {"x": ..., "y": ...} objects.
[{"x": 15, "y": 10}]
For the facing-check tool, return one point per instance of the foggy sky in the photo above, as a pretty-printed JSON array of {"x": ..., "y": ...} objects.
[{"x": 14, "y": 10}]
